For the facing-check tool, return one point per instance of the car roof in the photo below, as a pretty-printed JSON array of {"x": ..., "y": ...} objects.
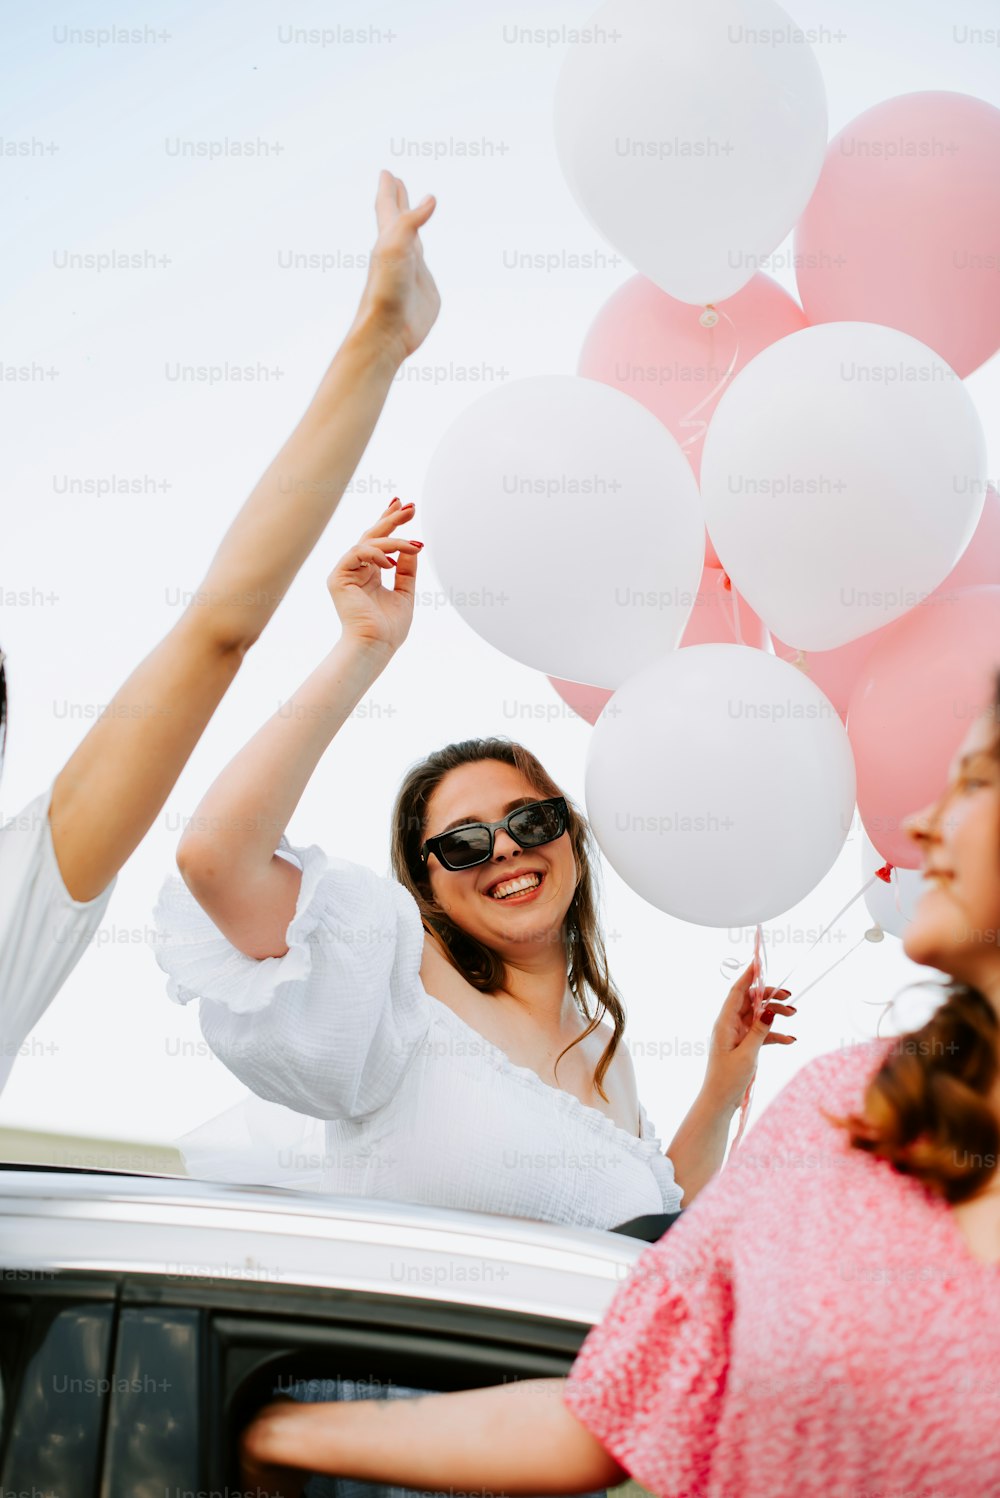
[{"x": 54, "y": 1220}]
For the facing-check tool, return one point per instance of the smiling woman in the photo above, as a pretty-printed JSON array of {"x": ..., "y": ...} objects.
[
  {"x": 450, "y": 873},
  {"x": 463, "y": 1050},
  {"x": 424, "y": 1019}
]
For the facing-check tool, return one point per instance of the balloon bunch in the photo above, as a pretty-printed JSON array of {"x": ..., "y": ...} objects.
[{"x": 751, "y": 541}]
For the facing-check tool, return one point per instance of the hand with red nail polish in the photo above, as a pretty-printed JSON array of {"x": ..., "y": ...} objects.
[
  {"x": 738, "y": 1036},
  {"x": 374, "y": 616}
]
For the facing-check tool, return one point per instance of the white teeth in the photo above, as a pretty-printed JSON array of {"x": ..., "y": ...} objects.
[{"x": 514, "y": 886}]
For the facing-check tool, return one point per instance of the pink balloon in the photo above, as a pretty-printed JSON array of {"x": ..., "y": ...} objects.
[
  {"x": 659, "y": 351},
  {"x": 979, "y": 564},
  {"x": 904, "y": 225},
  {"x": 587, "y": 702},
  {"x": 836, "y": 672},
  {"x": 719, "y": 617},
  {"x": 920, "y": 689},
  {"x": 833, "y": 671}
]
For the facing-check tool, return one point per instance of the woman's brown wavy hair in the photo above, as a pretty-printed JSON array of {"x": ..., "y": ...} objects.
[
  {"x": 587, "y": 960},
  {"x": 926, "y": 1107}
]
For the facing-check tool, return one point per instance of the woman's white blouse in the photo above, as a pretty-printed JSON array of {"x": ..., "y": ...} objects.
[
  {"x": 43, "y": 931},
  {"x": 419, "y": 1107}
]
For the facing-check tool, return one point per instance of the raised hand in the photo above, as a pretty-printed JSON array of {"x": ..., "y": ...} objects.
[
  {"x": 737, "y": 1037},
  {"x": 400, "y": 298},
  {"x": 371, "y": 614}
]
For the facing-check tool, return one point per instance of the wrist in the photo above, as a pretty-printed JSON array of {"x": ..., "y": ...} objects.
[
  {"x": 366, "y": 655},
  {"x": 372, "y": 337},
  {"x": 717, "y": 1098},
  {"x": 353, "y": 666}
]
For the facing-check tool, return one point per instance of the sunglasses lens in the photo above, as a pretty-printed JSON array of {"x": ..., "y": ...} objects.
[
  {"x": 537, "y": 824},
  {"x": 530, "y": 826},
  {"x": 468, "y": 846}
]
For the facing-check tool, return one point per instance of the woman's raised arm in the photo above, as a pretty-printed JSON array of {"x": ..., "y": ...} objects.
[
  {"x": 227, "y": 853},
  {"x": 115, "y": 783}
]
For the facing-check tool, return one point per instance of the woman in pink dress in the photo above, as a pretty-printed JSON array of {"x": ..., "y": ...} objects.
[{"x": 824, "y": 1320}]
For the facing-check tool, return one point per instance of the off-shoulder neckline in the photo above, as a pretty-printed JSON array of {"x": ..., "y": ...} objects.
[{"x": 568, "y": 1102}]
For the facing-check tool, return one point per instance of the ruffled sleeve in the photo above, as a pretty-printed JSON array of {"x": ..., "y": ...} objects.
[{"x": 329, "y": 1028}]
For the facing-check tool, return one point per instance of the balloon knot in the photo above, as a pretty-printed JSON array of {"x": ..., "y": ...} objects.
[
  {"x": 709, "y": 317},
  {"x": 727, "y": 582},
  {"x": 884, "y": 873}
]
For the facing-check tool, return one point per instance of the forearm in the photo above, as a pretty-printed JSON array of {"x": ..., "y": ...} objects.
[
  {"x": 108, "y": 794},
  {"x": 239, "y": 821},
  {"x": 698, "y": 1148},
  {"x": 293, "y": 501},
  {"x": 516, "y": 1438},
  {"x": 114, "y": 784}
]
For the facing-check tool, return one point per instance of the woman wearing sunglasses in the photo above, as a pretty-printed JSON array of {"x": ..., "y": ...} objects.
[
  {"x": 824, "y": 1322},
  {"x": 447, "y": 1022},
  {"x": 60, "y": 856}
]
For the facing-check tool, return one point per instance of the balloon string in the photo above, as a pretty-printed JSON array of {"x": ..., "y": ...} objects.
[
  {"x": 737, "y": 631},
  {"x": 757, "y": 990},
  {"x": 745, "y": 1105},
  {"x": 757, "y": 986},
  {"x": 896, "y": 895},
  {"x": 858, "y": 943},
  {"x": 829, "y": 927},
  {"x": 731, "y": 608},
  {"x": 692, "y": 419},
  {"x": 744, "y": 1114},
  {"x": 697, "y": 426}
]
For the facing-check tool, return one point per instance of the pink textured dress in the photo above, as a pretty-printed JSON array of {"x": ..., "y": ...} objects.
[{"x": 815, "y": 1325}]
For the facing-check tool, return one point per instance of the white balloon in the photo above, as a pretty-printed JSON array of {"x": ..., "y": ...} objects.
[
  {"x": 843, "y": 475},
  {"x": 720, "y": 784},
  {"x": 566, "y": 525},
  {"x": 891, "y": 905},
  {"x": 692, "y": 134}
]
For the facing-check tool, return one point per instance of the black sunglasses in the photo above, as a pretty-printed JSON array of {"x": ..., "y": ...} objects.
[{"x": 529, "y": 826}]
